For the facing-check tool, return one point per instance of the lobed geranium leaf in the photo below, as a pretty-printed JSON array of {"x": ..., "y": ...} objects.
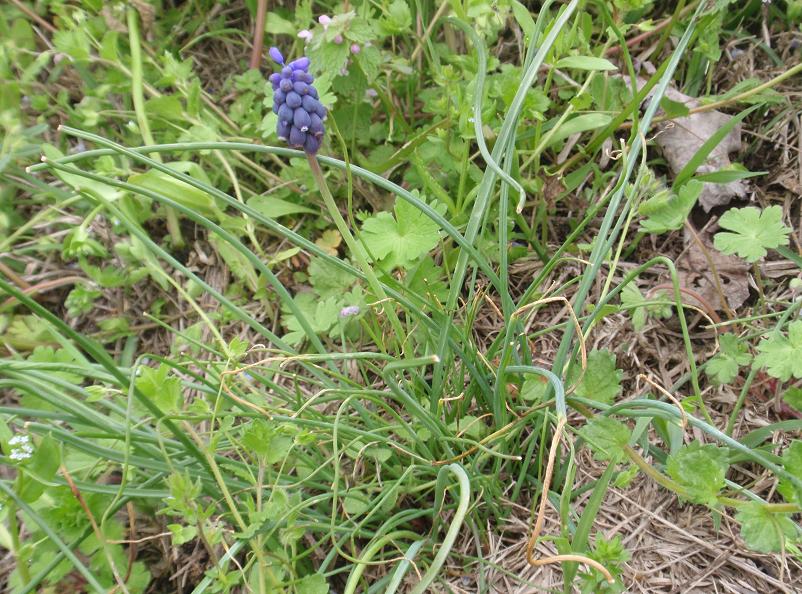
[
  {"x": 781, "y": 355},
  {"x": 398, "y": 241},
  {"x": 750, "y": 232}
]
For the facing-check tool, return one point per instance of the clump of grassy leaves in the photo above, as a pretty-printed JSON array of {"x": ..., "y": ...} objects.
[{"x": 326, "y": 448}]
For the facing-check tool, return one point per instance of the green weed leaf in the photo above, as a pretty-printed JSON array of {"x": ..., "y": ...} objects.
[
  {"x": 606, "y": 437},
  {"x": 328, "y": 279},
  {"x": 641, "y": 307},
  {"x": 42, "y": 466},
  {"x": 182, "y": 534},
  {"x": 534, "y": 388},
  {"x": 397, "y": 19},
  {"x": 47, "y": 354},
  {"x": 612, "y": 554},
  {"x": 356, "y": 502},
  {"x": 273, "y": 207},
  {"x": 163, "y": 389},
  {"x": 781, "y": 355},
  {"x": 312, "y": 584},
  {"x": 763, "y": 530},
  {"x": 667, "y": 211},
  {"x": 723, "y": 368},
  {"x": 793, "y": 398},
  {"x": 673, "y": 109},
  {"x": 601, "y": 380},
  {"x": 585, "y": 63},
  {"x": 792, "y": 463},
  {"x": 581, "y": 123},
  {"x": 728, "y": 175},
  {"x": 177, "y": 190},
  {"x": 751, "y": 232},
  {"x": 320, "y": 313},
  {"x": 427, "y": 280},
  {"x": 700, "y": 469},
  {"x": 524, "y": 18}
]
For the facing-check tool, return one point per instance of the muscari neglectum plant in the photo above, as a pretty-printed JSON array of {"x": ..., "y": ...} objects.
[{"x": 300, "y": 124}]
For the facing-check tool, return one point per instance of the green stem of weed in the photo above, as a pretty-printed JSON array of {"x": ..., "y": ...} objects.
[
  {"x": 356, "y": 248},
  {"x": 14, "y": 529},
  {"x": 138, "y": 98},
  {"x": 740, "y": 402}
]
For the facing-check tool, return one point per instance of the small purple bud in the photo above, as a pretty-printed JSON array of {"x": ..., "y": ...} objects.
[
  {"x": 312, "y": 144},
  {"x": 283, "y": 130},
  {"x": 338, "y": 39},
  {"x": 305, "y": 77},
  {"x": 349, "y": 311},
  {"x": 309, "y": 103},
  {"x": 355, "y": 49},
  {"x": 276, "y": 55},
  {"x": 313, "y": 92},
  {"x": 315, "y": 125},
  {"x": 286, "y": 72},
  {"x": 321, "y": 111},
  {"x": 300, "y": 64},
  {"x": 301, "y": 88},
  {"x": 301, "y": 119},
  {"x": 293, "y": 99},
  {"x": 275, "y": 79},
  {"x": 296, "y": 138},
  {"x": 371, "y": 93},
  {"x": 285, "y": 113},
  {"x": 285, "y": 85},
  {"x": 279, "y": 96}
]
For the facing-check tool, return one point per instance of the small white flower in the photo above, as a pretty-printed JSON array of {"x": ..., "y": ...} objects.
[
  {"x": 21, "y": 447},
  {"x": 306, "y": 35},
  {"x": 19, "y": 440},
  {"x": 21, "y": 454}
]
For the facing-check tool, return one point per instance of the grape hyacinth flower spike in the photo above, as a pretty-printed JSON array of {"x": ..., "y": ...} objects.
[{"x": 297, "y": 104}]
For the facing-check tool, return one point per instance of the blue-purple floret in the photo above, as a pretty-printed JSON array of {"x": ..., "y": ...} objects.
[{"x": 296, "y": 103}]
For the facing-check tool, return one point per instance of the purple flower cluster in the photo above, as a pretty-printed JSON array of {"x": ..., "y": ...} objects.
[{"x": 296, "y": 102}]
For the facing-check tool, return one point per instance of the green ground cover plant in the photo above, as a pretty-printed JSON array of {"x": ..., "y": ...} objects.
[{"x": 240, "y": 354}]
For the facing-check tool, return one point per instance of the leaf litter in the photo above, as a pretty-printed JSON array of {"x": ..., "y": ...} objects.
[{"x": 681, "y": 138}]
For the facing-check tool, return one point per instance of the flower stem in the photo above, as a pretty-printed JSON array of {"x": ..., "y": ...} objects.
[
  {"x": 138, "y": 97},
  {"x": 356, "y": 248}
]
